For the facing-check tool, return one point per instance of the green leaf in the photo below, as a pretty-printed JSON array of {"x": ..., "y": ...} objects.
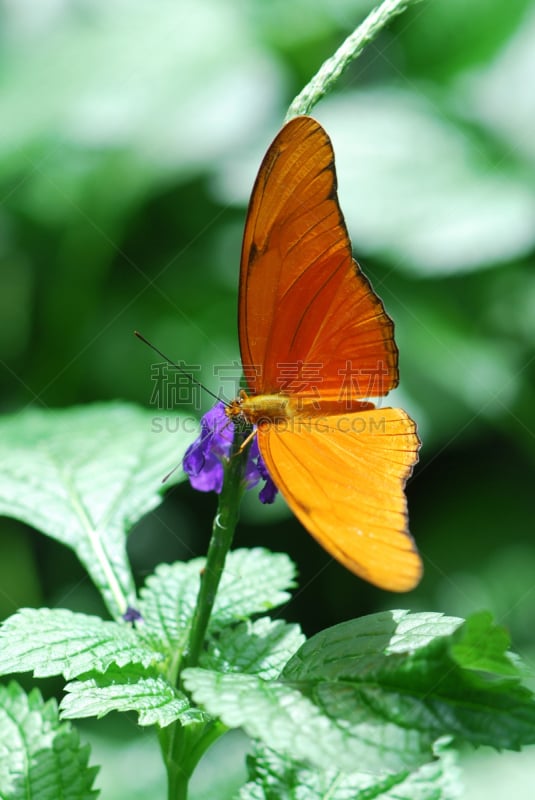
[
  {"x": 167, "y": 602},
  {"x": 258, "y": 648},
  {"x": 379, "y": 691},
  {"x": 57, "y": 641},
  {"x": 287, "y": 721},
  {"x": 282, "y": 717},
  {"x": 253, "y": 581},
  {"x": 416, "y": 681},
  {"x": 130, "y": 689},
  {"x": 484, "y": 647},
  {"x": 275, "y": 777},
  {"x": 40, "y": 757},
  {"x": 84, "y": 476}
]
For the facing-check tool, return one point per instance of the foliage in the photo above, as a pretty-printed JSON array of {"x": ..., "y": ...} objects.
[
  {"x": 40, "y": 757},
  {"x": 83, "y": 476},
  {"x": 383, "y": 691},
  {"x": 271, "y": 776}
]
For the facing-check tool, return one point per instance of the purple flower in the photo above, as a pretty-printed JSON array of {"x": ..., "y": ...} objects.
[
  {"x": 203, "y": 461},
  {"x": 268, "y": 492},
  {"x": 132, "y": 615}
]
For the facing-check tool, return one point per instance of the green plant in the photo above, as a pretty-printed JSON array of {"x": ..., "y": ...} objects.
[{"x": 364, "y": 708}]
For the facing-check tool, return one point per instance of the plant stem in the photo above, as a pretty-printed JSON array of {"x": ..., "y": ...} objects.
[
  {"x": 222, "y": 534},
  {"x": 183, "y": 748},
  {"x": 351, "y": 48}
]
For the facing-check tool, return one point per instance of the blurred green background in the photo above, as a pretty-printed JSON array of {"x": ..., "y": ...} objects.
[{"x": 131, "y": 132}]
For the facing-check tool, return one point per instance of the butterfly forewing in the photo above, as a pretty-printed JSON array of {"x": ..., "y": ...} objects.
[{"x": 303, "y": 299}]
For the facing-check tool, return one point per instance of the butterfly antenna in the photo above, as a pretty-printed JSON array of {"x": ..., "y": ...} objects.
[
  {"x": 179, "y": 369},
  {"x": 164, "y": 480}
]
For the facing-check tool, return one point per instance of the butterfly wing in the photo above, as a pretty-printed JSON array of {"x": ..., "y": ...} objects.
[
  {"x": 302, "y": 296},
  {"x": 344, "y": 477}
]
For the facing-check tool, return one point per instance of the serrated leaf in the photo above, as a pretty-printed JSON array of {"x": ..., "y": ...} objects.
[
  {"x": 419, "y": 687},
  {"x": 40, "y": 757},
  {"x": 57, "y": 641},
  {"x": 483, "y": 647},
  {"x": 273, "y": 776},
  {"x": 167, "y": 602},
  {"x": 258, "y": 648},
  {"x": 84, "y": 476},
  {"x": 379, "y": 692},
  {"x": 253, "y": 582},
  {"x": 289, "y": 722},
  {"x": 151, "y": 696}
]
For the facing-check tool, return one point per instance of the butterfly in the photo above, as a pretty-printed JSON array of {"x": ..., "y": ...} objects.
[{"x": 315, "y": 342}]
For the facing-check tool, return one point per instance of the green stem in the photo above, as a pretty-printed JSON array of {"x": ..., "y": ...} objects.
[
  {"x": 222, "y": 534},
  {"x": 183, "y": 746},
  {"x": 353, "y": 46}
]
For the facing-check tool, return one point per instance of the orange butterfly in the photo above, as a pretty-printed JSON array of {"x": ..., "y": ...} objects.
[{"x": 315, "y": 341}]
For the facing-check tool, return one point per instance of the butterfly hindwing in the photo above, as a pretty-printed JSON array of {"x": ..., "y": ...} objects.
[{"x": 344, "y": 477}]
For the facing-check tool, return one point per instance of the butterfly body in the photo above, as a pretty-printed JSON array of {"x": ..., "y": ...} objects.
[
  {"x": 316, "y": 342},
  {"x": 298, "y": 409},
  {"x": 267, "y": 408}
]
